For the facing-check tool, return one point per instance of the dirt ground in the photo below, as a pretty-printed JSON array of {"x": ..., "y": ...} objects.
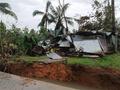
[{"x": 106, "y": 78}]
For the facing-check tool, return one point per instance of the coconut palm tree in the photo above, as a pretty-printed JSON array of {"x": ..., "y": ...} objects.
[
  {"x": 45, "y": 19},
  {"x": 59, "y": 18},
  {"x": 6, "y": 9}
]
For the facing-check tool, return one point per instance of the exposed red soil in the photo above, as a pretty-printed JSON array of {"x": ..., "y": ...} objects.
[
  {"x": 51, "y": 71},
  {"x": 94, "y": 77}
]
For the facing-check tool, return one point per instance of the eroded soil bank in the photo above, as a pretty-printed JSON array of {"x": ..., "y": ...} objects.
[{"x": 106, "y": 78}]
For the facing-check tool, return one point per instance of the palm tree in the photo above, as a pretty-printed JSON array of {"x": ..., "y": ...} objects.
[
  {"x": 63, "y": 6},
  {"x": 59, "y": 18},
  {"x": 6, "y": 9},
  {"x": 45, "y": 19}
]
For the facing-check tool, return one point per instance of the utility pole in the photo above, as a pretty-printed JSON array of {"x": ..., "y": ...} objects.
[{"x": 113, "y": 24}]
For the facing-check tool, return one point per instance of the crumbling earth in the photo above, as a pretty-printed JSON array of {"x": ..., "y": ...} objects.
[{"x": 106, "y": 78}]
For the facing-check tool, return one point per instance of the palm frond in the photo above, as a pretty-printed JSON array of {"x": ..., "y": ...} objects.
[
  {"x": 8, "y": 12},
  {"x": 59, "y": 28},
  {"x": 12, "y": 14},
  {"x": 69, "y": 20},
  {"x": 65, "y": 7},
  {"x": 37, "y": 12},
  {"x": 54, "y": 12},
  {"x": 5, "y": 5},
  {"x": 59, "y": 11},
  {"x": 48, "y": 5},
  {"x": 51, "y": 18},
  {"x": 42, "y": 23}
]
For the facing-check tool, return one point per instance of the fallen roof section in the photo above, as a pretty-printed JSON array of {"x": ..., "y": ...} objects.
[{"x": 54, "y": 56}]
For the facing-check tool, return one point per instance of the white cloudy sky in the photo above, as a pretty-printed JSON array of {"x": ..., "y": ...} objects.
[{"x": 25, "y": 8}]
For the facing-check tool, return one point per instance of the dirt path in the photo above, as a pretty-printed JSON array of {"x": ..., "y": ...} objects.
[{"x": 13, "y": 82}]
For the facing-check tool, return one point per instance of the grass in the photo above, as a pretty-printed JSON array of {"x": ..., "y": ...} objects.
[
  {"x": 111, "y": 61},
  {"x": 31, "y": 59}
]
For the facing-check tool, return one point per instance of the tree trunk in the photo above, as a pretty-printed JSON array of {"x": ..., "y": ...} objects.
[
  {"x": 66, "y": 24},
  {"x": 113, "y": 24},
  {"x": 113, "y": 17}
]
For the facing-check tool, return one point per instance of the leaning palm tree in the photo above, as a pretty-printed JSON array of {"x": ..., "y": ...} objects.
[
  {"x": 45, "y": 19},
  {"x": 6, "y": 9}
]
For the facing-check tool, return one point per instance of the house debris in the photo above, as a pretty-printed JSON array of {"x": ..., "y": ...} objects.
[
  {"x": 54, "y": 56},
  {"x": 90, "y": 43},
  {"x": 82, "y": 43},
  {"x": 78, "y": 44},
  {"x": 39, "y": 50}
]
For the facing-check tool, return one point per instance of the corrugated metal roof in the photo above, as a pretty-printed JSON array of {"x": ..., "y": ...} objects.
[{"x": 90, "y": 46}]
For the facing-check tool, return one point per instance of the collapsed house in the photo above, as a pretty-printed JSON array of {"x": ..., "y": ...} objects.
[
  {"x": 83, "y": 43},
  {"x": 79, "y": 44}
]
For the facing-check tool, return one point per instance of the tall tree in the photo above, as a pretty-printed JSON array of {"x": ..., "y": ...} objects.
[
  {"x": 84, "y": 23},
  {"x": 6, "y": 9},
  {"x": 101, "y": 19},
  {"x": 107, "y": 21},
  {"x": 45, "y": 19},
  {"x": 113, "y": 25},
  {"x": 113, "y": 16},
  {"x": 62, "y": 6},
  {"x": 59, "y": 18}
]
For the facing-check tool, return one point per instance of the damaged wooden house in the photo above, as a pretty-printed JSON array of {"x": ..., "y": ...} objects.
[
  {"x": 83, "y": 43},
  {"x": 79, "y": 44}
]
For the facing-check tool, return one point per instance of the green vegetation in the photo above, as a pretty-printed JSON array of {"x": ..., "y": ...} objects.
[
  {"x": 17, "y": 41},
  {"x": 30, "y": 59},
  {"x": 45, "y": 19},
  {"x": 112, "y": 61},
  {"x": 55, "y": 15}
]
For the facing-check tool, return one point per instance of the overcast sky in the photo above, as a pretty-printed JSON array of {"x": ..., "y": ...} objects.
[{"x": 25, "y": 8}]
